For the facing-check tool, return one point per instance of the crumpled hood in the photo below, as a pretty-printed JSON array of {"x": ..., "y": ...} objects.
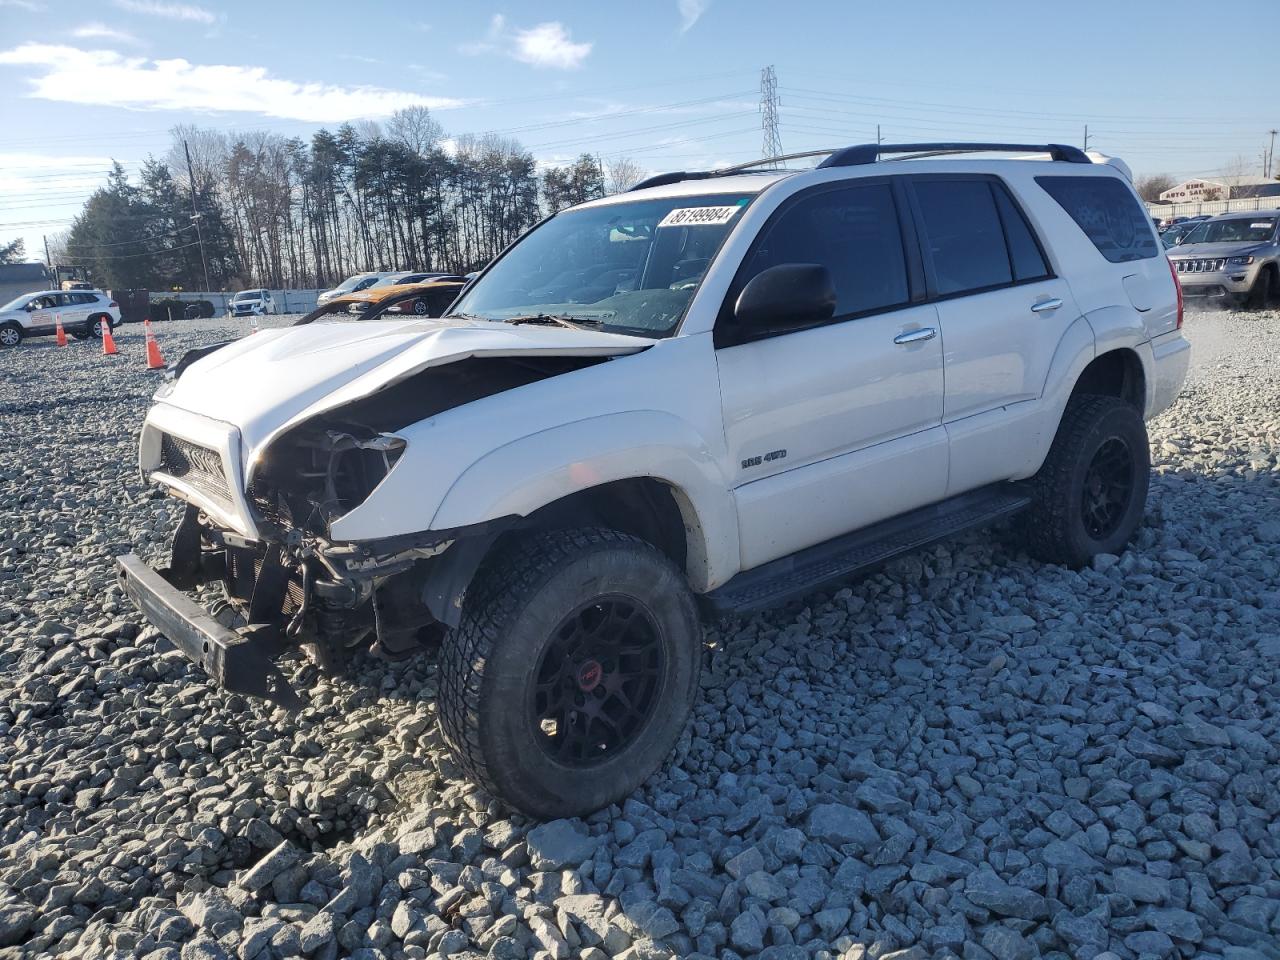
[
  {"x": 1198, "y": 251},
  {"x": 265, "y": 382}
]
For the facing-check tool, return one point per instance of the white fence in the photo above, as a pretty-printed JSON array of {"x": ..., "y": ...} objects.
[
  {"x": 287, "y": 301},
  {"x": 1196, "y": 208}
]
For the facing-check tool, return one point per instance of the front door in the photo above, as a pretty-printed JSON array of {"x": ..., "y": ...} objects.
[{"x": 833, "y": 428}]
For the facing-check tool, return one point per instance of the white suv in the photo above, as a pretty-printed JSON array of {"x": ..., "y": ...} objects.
[
  {"x": 84, "y": 313},
  {"x": 719, "y": 391},
  {"x": 249, "y": 303}
]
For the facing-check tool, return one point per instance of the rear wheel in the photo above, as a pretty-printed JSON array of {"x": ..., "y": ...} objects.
[
  {"x": 98, "y": 323},
  {"x": 573, "y": 671},
  {"x": 420, "y": 307},
  {"x": 1090, "y": 493},
  {"x": 10, "y": 334}
]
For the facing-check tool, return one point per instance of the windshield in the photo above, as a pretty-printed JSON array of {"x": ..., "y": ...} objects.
[
  {"x": 350, "y": 282},
  {"x": 1239, "y": 230},
  {"x": 241, "y": 297},
  {"x": 630, "y": 267},
  {"x": 17, "y": 303}
]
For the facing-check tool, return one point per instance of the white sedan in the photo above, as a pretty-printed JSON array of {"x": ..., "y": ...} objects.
[{"x": 84, "y": 313}]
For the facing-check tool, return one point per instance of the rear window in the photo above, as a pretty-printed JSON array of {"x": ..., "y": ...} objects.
[{"x": 1108, "y": 213}]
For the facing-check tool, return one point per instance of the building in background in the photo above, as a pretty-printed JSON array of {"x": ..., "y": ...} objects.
[
  {"x": 19, "y": 278},
  {"x": 1222, "y": 188}
]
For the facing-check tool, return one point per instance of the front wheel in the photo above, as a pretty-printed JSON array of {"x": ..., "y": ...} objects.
[
  {"x": 10, "y": 334},
  {"x": 420, "y": 307},
  {"x": 572, "y": 672},
  {"x": 1090, "y": 494},
  {"x": 1263, "y": 289}
]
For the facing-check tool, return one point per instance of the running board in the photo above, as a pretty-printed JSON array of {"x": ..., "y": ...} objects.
[{"x": 794, "y": 576}]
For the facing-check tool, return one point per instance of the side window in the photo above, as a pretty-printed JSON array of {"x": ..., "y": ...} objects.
[
  {"x": 853, "y": 232},
  {"x": 963, "y": 235},
  {"x": 1108, "y": 213},
  {"x": 84, "y": 298},
  {"x": 1024, "y": 254}
]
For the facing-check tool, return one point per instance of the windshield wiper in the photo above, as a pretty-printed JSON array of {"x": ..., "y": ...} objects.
[{"x": 549, "y": 319}]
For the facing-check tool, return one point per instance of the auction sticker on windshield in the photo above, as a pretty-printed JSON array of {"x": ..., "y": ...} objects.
[{"x": 698, "y": 216}]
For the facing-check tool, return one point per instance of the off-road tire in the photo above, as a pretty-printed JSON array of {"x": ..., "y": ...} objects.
[
  {"x": 1054, "y": 527},
  {"x": 1263, "y": 290},
  {"x": 511, "y": 616},
  {"x": 10, "y": 334}
]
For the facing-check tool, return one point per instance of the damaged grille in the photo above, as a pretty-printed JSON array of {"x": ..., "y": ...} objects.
[{"x": 201, "y": 467}]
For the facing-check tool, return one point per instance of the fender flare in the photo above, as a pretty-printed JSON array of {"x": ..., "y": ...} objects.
[{"x": 520, "y": 477}]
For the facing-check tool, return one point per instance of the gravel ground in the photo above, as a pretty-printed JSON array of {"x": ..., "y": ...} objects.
[{"x": 967, "y": 754}]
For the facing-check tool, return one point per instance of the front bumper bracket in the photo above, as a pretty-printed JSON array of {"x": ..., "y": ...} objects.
[{"x": 238, "y": 660}]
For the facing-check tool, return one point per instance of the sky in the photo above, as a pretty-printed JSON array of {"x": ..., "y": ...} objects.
[{"x": 670, "y": 84}]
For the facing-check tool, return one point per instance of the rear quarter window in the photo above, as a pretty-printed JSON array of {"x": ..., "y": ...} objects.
[{"x": 1108, "y": 213}]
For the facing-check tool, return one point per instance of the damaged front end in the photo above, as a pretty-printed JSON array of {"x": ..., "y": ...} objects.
[
  {"x": 292, "y": 587},
  {"x": 268, "y": 473}
]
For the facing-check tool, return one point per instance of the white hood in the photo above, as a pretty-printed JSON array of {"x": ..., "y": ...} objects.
[{"x": 265, "y": 382}]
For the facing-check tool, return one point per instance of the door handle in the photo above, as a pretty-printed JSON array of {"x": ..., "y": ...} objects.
[
  {"x": 915, "y": 336},
  {"x": 1040, "y": 306}
]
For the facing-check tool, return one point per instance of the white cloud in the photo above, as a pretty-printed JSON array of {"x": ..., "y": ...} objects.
[
  {"x": 107, "y": 78},
  {"x": 545, "y": 45},
  {"x": 549, "y": 45},
  {"x": 691, "y": 11},
  {"x": 170, "y": 11},
  {"x": 31, "y": 6},
  {"x": 100, "y": 31}
]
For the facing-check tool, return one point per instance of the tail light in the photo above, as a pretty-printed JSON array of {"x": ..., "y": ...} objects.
[
  {"x": 113, "y": 305},
  {"x": 1177, "y": 286}
]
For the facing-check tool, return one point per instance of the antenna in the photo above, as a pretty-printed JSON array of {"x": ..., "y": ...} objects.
[{"x": 769, "y": 113}]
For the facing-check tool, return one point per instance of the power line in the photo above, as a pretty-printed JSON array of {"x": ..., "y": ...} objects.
[
  {"x": 133, "y": 256},
  {"x": 771, "y": 140}
]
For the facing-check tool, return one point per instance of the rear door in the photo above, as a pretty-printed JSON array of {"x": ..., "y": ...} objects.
[{"x": 1002, "y": 313}]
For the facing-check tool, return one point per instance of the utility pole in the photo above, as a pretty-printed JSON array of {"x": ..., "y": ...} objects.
[
  {"x": 879, "y": 139},
  {"x": 1271, "y": 153},
  {"x": 47, "y": 262},
  {"x": 769, "y": 113},
  {"x": 195, "y": 216},
  {"x": 1086, "y": 136}
]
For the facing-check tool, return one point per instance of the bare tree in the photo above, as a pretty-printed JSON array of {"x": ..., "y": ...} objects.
[
  {"x": 1150, "y": 187},
  {"x": 415, "y": 128},
  {"x": 621, "y": 174}
]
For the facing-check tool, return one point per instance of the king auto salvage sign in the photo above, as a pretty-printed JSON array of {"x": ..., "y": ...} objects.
[{"x": 1195, "y": 190}]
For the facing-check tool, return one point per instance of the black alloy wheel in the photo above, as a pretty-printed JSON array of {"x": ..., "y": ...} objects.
[
  {"x": 597, "y": 682},
  {"x": 1108, "y": 488}
]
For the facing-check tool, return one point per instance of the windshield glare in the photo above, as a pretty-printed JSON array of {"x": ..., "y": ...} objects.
[
  {"x": 632, "y": 267},
  {"x": 1239, "y": 230},
  {"x": 239, "y": 297}
]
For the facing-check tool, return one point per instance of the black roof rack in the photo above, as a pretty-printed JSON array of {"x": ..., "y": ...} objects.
[{"x": 871, "y": 152}]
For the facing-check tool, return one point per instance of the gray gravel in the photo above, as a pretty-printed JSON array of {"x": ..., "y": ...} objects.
[{"x": 968, "y": 754}]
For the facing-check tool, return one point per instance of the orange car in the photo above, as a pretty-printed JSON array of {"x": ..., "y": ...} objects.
[{"x": 427, "y": 299}]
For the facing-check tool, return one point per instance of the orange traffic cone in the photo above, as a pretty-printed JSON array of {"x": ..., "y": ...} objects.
[
  {"x": 62, "y": 334},
  {"x": 108, "y": 342},
  {"x": 154, "y": 360}
]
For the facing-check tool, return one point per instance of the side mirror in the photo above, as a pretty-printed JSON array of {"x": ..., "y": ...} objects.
[{"x": 790, "y": 296}]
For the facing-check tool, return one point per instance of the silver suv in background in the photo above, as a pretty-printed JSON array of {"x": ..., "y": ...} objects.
[{"x": 1233, "y": 256}]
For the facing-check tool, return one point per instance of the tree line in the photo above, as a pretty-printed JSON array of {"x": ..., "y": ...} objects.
[{"x": 283, "y": 212}]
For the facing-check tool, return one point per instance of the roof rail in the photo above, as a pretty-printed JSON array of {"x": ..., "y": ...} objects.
[
  {"x": 662, "y": 179},
  {"x": 870, "y": 152}
]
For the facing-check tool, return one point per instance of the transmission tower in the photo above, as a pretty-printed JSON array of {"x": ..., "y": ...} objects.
[{"x": 769, "y": 113}]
